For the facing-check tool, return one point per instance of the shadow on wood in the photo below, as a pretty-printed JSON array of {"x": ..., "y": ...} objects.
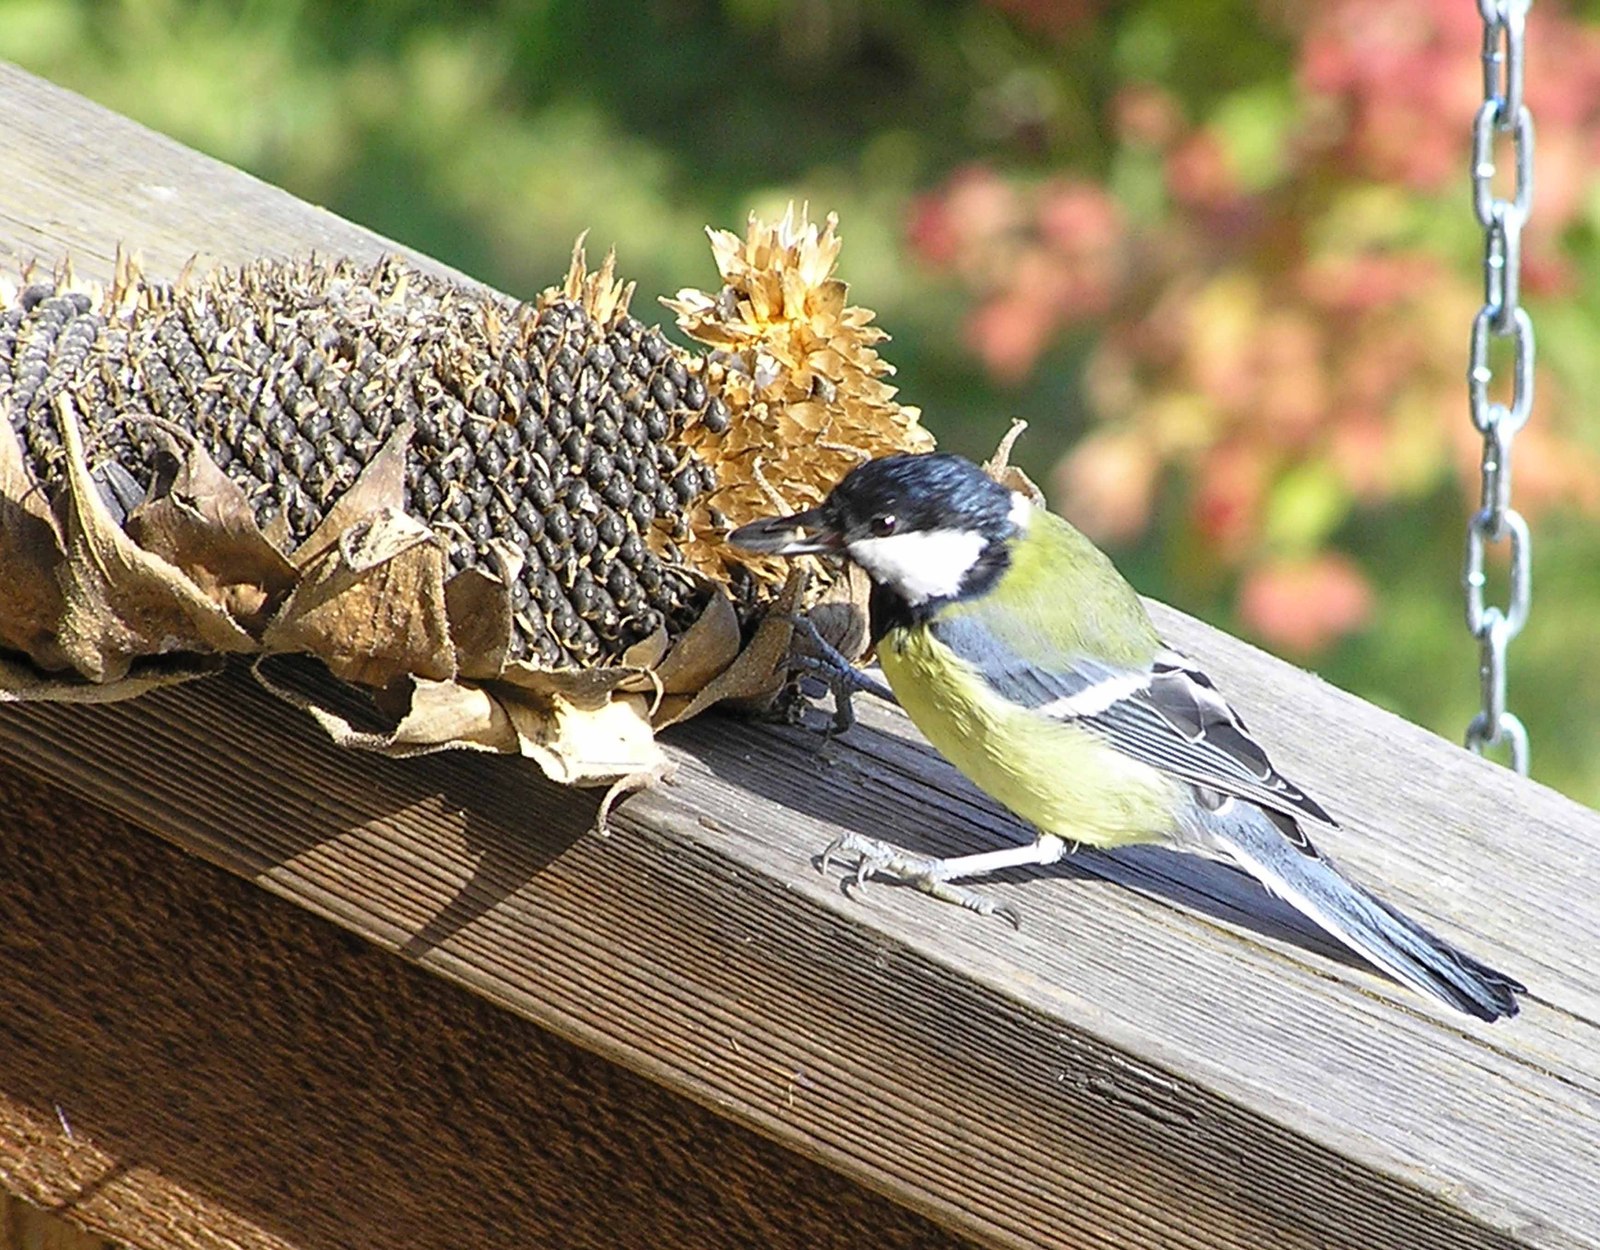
[
  {"x": 1208, "y": 886},
  {"x": 194, "y": 1034}
]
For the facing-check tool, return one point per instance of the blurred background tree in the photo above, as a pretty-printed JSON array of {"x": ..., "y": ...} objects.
[{"x": 1218, "y": 252}]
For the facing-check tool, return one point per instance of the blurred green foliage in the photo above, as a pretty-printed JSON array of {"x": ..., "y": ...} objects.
[{"x": 1176, "y": 167}]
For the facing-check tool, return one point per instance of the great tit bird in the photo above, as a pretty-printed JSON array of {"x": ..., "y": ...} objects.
[{"x": 1021, "y": 653}]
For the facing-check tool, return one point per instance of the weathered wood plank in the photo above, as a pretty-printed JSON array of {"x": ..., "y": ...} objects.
[
  {"x": 982, "y": 1076},
  {"x": 1122, "y": 1072},
  {"x": 79, "y": 181},
  {"x": 187, "y": 1060},
  {"x": 24, "y": 1226}
]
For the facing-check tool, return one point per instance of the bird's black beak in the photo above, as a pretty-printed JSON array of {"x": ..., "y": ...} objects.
[{"x": 803, "y": 534}]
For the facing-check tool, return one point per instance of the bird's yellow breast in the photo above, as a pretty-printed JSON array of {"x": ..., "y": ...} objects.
[{"x": 1062, "y": 778}]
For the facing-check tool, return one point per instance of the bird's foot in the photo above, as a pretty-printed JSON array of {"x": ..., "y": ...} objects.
[
  {"x": 932, "y": 876},
  {"x": 814, "y": 654}
]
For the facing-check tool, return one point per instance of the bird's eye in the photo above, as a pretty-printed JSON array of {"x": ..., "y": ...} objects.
[{"x": 884, "y": 524}]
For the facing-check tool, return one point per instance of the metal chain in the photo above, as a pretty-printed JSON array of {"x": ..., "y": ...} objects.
[{"x": 1502, "y": 317}]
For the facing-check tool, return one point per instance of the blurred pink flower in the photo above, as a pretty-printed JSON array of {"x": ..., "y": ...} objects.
[
  {"x": 1008, "y": 333},
  {"x": 1358, "y": 446},
  {"x": 1107, "y": 484},
  {"x": 974, "y": 206},
  {"x": 1353, "y": 283},
  {"x": 1397, "y": 70},
  {"x": 1146, "y": 115},
  {"x": 1303, "y": 605},
  {"x": 1199, "y": 174},
  {"x": 1230, "y": 482},
  {"x": 1039, "y": 258},
  {"x": 1079, "y": 218}
]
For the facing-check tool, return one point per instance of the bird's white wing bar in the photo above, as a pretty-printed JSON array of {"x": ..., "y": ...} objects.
[
  {"x": 1018, "y": 680},
  {"x": 1096, "y": 697}
]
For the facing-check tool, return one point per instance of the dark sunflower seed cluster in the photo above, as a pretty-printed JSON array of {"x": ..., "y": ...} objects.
[{"x": 540, "y": 435}]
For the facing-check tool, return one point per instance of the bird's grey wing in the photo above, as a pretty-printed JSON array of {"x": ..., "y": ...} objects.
[
  {"x": 1179, "y": 722},
  {"x": 1168, "y": 715}
]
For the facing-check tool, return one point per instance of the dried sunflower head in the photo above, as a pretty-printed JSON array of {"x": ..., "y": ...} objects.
[
  {"x": 800, "y": 380},
  {"x": 517, "y": 507}
]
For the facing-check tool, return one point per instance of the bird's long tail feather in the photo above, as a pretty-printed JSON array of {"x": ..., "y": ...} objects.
[{"x": 1386, "y": 936}]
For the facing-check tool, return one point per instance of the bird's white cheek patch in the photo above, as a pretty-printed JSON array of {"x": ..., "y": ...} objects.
[{"x": 920, "y": 566}]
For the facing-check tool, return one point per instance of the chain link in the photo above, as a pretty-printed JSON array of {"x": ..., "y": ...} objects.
[{"x": 1502, "y": 317}]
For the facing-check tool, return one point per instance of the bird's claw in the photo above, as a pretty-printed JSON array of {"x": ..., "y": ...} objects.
[
  {"x": 842, "y": 678},
  {"x": 871, "y": 858},
  {"x": 844, "y": 712},
  {"x": 876, "y": 858},
  {"x": 840, "y": 846}
]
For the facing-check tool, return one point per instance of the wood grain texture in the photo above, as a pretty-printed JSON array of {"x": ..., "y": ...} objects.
[
  {"x": 24, "y": 1226},
  {"x": 80, "y": 181},
  {"x": 1176, "y": 1064},
  {"x": 190, "y": 1061}
]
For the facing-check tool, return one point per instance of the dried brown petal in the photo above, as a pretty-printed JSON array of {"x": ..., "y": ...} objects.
[
  {"x": 372, "y": 606},
  {"x": 380, "y": 487},
  {"x": 30, "y": 551},
  {"x": 757, "y": 674},
  {"x": 999, "y": 465},
  {"x": 198, "y": 519},
  {"x": 710, "y": 645},
  {"x": 841, "y": 616},
  {"x": 478, "y": 607},
  {"x": 453, "y": 714},
  {"x": 21, "y": 682},
  {"x": 437, "y": 716},
  {"x": 587, "y": 745},
  {"x": 121, "y": 602}
]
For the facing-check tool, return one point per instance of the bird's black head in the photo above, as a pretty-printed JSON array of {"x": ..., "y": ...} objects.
[{"x": 926, "y": 529}]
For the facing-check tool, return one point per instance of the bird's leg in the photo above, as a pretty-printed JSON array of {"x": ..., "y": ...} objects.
[
  {"x": 937, "y": 877},
  {"x": 842, "y": 678}
]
